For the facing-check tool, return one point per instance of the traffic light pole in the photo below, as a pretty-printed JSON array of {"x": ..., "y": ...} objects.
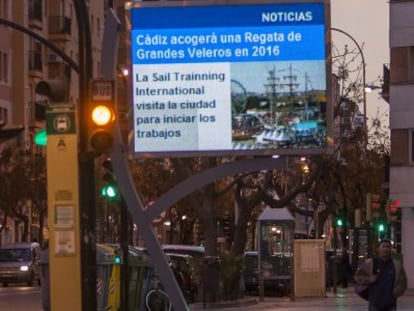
[
  {"x": 125, "y": 255},
  {"x": 87, "y": 197}
]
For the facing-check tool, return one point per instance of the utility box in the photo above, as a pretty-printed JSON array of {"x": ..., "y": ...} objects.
[{"x": 309, "y": 268}]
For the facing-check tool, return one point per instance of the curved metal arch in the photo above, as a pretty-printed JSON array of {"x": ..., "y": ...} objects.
[{"x": 206, "y": 177}]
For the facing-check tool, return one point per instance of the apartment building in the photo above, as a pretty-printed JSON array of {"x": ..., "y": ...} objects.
[
  {"x": 401, "y": 41},
  {"x": 25, "y": 60}
]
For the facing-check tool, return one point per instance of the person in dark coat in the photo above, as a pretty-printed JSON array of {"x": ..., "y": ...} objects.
[
  {"x": 44, "y": 275},
  {"x": 386, "y": 276},
  {"x": 345, "y": 269}
]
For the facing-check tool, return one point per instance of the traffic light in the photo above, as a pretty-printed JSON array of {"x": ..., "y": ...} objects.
[
  {"x": 110, "y": 188},
  {"x": 40, "y": 138},
  {"x": 381, "y": 227},
  {"x": 393, "y": 205},
  {"x": 57, "y": 89},
  {"x": 117, "y": 257},
  {"x": 339, "y": 221},
  {"x": 109, "y": 191},
  {"x": 101, "y": 117}
]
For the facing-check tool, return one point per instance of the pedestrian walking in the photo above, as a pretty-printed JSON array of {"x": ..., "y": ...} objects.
[
  {"x": 44, "y": 275},
  {"x": 386, "y": 278},
  {"x": 345, "y": 269}
]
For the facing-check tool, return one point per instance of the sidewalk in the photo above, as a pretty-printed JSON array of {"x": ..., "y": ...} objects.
[{"x": 343, "y": 300}]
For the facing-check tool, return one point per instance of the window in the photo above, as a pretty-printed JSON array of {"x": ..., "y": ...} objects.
[
  {"x": 411, "y": 63},
  {"x": 98, "y": 27},
  {"x": 401, "y": 146},
  {"x": 412, "y": 146},
  {"x": 92, "y": 25},
  {"x": 4, "y": 9},
  {"x": 3, "y": 116},
  {"x": 402, "y": 70},
  {"x": 4, "y": 67}
]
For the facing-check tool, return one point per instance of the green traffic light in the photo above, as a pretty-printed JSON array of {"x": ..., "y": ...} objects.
[
  {"x": 381, "y": 227},
  {"x": 339, "y": 222},
  {"x": 109, "y": 191},
  {"x": 117, "y": 259},
  {"x": 40, "y": 138}
]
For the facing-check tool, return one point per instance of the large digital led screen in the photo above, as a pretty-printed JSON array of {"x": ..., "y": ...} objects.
[{"x": 230, "y": 79}]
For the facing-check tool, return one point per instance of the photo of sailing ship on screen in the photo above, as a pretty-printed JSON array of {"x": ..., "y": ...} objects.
[{"x": 278, "y": 105}]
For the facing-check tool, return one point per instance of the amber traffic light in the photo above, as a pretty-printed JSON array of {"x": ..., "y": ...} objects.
[{"x": 101, "y": 117}]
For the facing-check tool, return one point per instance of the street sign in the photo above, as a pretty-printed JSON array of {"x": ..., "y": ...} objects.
[
  {"x": 102, "y": 90},
  {"x": 60, "y": 119}
]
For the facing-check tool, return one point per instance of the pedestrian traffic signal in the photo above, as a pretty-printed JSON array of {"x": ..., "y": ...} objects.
[
  {"x": 110, "y": 188},
  {"x": 110, "y": 191},
  {"x": 101, "y": 117}
]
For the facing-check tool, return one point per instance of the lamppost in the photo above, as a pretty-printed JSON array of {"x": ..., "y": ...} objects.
[{"x": 364, "y": 98}]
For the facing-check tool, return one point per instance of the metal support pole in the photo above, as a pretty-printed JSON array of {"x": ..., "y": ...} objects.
[
  {"x": 125, "y": 256},
  {"x": 86, "y": 164}
]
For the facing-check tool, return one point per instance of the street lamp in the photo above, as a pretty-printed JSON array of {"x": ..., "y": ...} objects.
[
  {"x": 370, "y": 87},
  {"x": 364, "y": 98}
]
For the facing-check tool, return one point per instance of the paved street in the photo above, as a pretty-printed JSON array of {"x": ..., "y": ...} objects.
[{"x": 344, "y": 300}]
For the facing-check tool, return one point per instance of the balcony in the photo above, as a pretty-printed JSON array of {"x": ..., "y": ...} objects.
[
  {"x": 35, "y": 14},
  {"x": 35, "y": 64},
  {"x": 60, "y": 28}
]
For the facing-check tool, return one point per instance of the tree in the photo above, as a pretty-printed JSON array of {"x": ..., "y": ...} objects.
[{"x": 23, "y": 187}]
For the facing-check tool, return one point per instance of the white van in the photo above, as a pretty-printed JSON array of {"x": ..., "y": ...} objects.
[{"x": 19, "y": 263}]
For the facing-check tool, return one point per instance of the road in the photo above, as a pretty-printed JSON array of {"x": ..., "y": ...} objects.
[{"x": 20, "y": 298}]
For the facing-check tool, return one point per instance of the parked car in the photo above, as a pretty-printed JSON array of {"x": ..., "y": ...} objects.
[
  {"x": 20, "y": 263},
  {"x": 196, "y": 251}
]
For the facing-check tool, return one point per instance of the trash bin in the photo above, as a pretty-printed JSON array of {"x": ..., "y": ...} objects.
[
  {"x": 107, "y": 279},
  {"x": 137, "y": 272}
]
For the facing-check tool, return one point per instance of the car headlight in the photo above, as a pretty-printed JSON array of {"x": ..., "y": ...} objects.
[{"x": 24, "y": 268}]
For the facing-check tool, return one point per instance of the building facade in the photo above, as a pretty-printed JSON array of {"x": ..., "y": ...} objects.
[
  {"x": 401, "y": 91},
  {"x": 25, "y": 60}
]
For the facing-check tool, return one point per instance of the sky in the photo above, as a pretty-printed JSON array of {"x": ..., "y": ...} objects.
[{"x": 367, "y": 21}]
